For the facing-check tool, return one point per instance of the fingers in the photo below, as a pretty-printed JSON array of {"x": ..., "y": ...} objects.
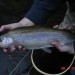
[
  {"x": 58, "y": 46},
  {"x": 24, "y": 49},
  {"x": 63, "y": 27},
  {"x": 62, "y": 48},
  {"x": 5, "y": 50},
  {"x": 9, "y": 26},
  {"x": 20, "y": 47},
  {"x": 69, "y": 28},
  {"x": 56, "y": 26},
  {"x": 14, "y": 49},
  {"x": 5, "y": 27},
  {"x": 2, "y": 28}
]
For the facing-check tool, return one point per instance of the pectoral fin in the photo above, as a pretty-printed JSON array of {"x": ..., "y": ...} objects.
[{"x": 47, "y": 50}]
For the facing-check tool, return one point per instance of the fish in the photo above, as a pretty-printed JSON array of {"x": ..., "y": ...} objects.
[{"x": 35, "y": 37}]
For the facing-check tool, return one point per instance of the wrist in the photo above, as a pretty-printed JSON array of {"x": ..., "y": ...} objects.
[{"x": 25, "y": 22}]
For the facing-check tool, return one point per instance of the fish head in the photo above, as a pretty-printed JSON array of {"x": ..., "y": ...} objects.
[{"x": 5, "y": 42}]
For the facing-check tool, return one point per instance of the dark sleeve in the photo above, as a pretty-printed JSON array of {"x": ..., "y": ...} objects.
[{"x": 41, "y": 9}]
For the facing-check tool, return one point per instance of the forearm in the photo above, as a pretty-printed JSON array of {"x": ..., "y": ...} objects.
[
  {"x": 25, "y": 22},
  {"x": 42, "y": 10}
]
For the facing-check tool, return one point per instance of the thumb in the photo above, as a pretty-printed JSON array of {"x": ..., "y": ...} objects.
[
  {"x": 4, "y": 27},
  {"x": 56, "y": 26}
]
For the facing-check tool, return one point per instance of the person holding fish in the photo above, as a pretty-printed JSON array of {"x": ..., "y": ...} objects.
[{"x": 39, "y": 13}]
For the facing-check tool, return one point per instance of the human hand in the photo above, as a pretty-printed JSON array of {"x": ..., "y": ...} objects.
[
  {"x": 66, "y": 48},
  {"x": 9, "y": 26},
  {"x": 14, "y": 48},
  {"x": 63, "y": 27},
  {"x": 23, "y": 23}
]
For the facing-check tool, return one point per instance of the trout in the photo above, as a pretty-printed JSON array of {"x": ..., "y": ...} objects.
[{"x": 35, "y": 37}]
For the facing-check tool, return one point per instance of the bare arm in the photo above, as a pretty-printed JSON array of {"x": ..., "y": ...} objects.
[{"x": 24, "y": 22}]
